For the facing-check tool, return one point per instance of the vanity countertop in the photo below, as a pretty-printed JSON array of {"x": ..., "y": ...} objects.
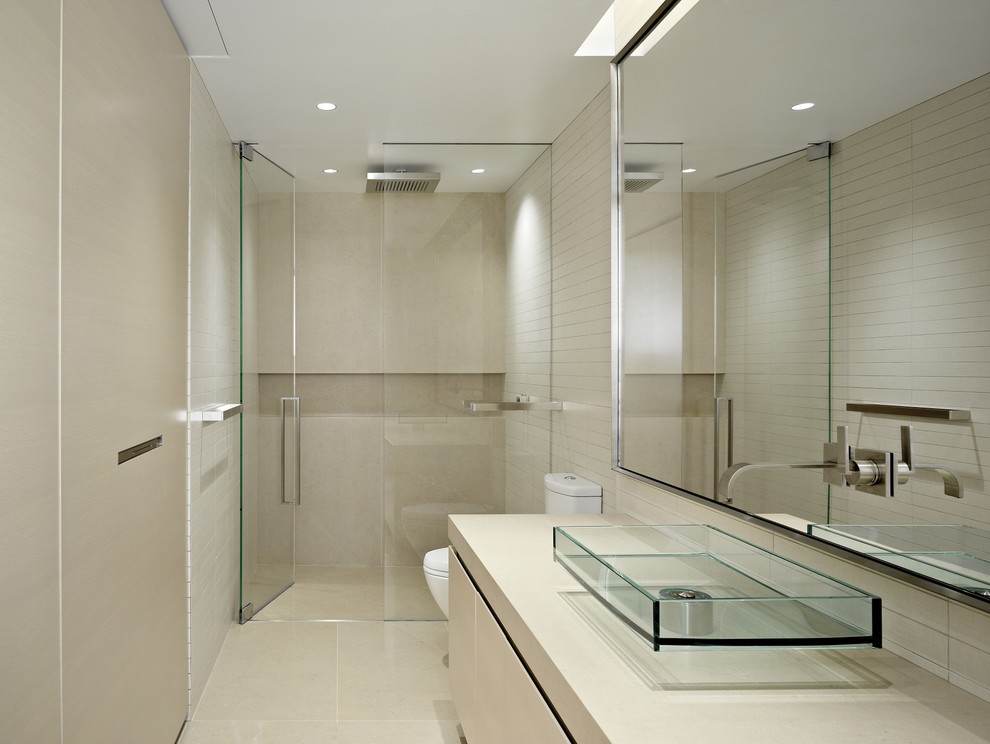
[{"x": 763, "y": 697}]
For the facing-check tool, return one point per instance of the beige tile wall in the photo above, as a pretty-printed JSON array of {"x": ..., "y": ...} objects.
[
  {"x": 29, "y": 483},
  {"x": 581, "y": 321},
  {"x": 339, "y": 281},
  {"x": 528, "y": 334},
  {"x": 443, "y": 287},
  {"x": 214, "y": 347},
  {"x": 401, "y": 316}
]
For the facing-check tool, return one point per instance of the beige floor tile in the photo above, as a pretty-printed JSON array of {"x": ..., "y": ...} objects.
[
  {"x": 274, "y": 672},
  {"x": 330, "y": 593},
  {"x": 398, "y": 732},
  {"x": 406, "y": 595},
  {"x": 260, "y": 732},
  {"x": 320, "y": 732},
  {"x": 394, "y": 671}
]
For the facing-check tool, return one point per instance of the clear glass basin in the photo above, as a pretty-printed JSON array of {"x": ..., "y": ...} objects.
[{"x": 695, "y": 585}]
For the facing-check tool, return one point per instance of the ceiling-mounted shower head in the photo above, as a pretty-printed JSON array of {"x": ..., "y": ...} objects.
[
  {"x": 421, "y": 183},
  {"x": 637, "y": 183}
]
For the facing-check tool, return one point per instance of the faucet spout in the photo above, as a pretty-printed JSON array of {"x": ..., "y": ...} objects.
[
  {"x": 952, "y": 486},
  {"x": 725, "y": 482}
]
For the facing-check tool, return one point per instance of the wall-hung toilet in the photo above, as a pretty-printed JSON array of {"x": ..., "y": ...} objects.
[{"x": 563, "y": 493}]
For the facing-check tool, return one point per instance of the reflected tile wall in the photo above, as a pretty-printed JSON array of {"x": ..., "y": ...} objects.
[
  {"x": 214, "y": 448},
  {"x": 777, "y": 333},
  {"x": 911, "y": 247}
]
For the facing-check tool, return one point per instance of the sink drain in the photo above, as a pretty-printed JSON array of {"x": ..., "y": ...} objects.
[{"x": 681, "y": 611}]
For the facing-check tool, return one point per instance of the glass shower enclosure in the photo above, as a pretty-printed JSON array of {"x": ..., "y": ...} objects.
[{"x": 270, "y": 422}]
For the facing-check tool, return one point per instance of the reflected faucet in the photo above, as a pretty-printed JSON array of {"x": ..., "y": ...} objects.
[
  {"x": 845, "y": 465},
  {"x": 730, "y": 474}
]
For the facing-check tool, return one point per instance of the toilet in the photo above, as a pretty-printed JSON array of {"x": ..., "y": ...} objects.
[{"x": 564, "y": 493}]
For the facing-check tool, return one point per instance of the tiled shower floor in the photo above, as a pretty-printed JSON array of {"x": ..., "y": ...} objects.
[{"x": 344, "y": 593}]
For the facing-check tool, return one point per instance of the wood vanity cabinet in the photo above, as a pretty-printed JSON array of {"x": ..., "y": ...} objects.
[{"x": 495, "y": 697}]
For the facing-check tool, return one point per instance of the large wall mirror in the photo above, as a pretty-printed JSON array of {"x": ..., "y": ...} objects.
[{"x": 804, "y": 290}]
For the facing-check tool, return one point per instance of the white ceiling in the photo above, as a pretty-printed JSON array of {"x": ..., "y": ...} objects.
[
  {"x": 470, "y": 71},
  {"x": 431, "y": 71}
]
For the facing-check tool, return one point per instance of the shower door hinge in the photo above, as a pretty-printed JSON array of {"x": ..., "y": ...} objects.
[
  {"x": 819, "y": 150},
  {"x": 245, "y": 149},
  {"x": 247, "y": 612}
]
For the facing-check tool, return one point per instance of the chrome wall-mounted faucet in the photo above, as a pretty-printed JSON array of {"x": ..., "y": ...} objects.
[
  {"x": 876, "y": 471},
  {"x": 843, "y": 464}
]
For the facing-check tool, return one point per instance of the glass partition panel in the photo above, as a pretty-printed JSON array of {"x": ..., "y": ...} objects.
[
  {"x": 456, "y": 244},
  {"x": 270, "y": 447}
]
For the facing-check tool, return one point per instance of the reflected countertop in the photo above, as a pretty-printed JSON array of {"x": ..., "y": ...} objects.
[{"x": 608, "y": 688}]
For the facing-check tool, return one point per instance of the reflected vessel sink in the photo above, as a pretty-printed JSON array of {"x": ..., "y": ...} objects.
[
  {"x": 951, "y": 553},
  {"x": 682, "y": 586}
]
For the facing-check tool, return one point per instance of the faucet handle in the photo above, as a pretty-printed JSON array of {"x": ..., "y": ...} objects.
[
  {"x": 836, "y": 457},
  {"x": 906, "y": 465}
]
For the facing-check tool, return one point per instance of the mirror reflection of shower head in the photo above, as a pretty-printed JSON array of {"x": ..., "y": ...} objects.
[{"x": 638, "y": 182}]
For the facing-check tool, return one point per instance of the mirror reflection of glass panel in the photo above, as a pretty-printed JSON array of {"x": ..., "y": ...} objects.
[
  {"x": 773, "y": 219},
  {"x": 667, "y": 311},
  {"x": 860, "y": 278}
]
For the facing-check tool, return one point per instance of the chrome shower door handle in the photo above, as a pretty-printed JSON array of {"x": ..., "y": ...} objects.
[{"x": 293, "y": 474}]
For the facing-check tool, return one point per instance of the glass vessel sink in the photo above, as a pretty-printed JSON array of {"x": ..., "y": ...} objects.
[
  {"x": 695, "y": 585},
  {"x": 951, "y": 553}
]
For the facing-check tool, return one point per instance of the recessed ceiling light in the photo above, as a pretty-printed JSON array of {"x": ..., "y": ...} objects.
[
  {"x": 477, "y": 170},
  {"x": 330, "y": 170},
  {"x": 801, "y": 106},
  {"x": 326, "y": 106},
  {"x": 689, "y": 170}
]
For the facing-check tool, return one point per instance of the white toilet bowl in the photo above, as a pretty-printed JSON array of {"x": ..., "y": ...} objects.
[
  {"x": 425, "y": 526},
  {"x": 435, "y": 568},
  {"x": 564, "y": 493}
]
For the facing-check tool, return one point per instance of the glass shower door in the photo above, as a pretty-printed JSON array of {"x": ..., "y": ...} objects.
[{"x": 270, "y": 423}]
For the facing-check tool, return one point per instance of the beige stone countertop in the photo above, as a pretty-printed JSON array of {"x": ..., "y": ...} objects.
[{"x": 711, "y": 696}]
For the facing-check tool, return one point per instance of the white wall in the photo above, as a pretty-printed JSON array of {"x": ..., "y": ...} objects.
[
  {"x": 124, "y": 237},
  {"x": 29, "y": 435},
  {"x": 96, "y": 325}
]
